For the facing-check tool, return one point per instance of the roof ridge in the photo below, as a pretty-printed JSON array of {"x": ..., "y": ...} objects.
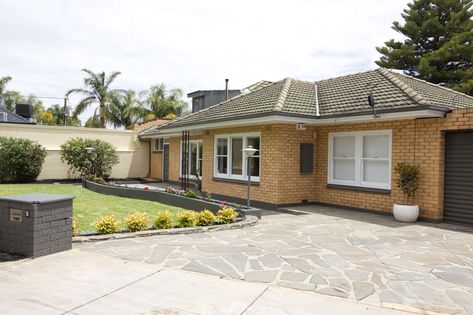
[
  {"x": 210, "y": 107},
  {"x": 436, "y": 85},
  {"x": 282, "y": 97},
  {"x": 409, "y": 91}
]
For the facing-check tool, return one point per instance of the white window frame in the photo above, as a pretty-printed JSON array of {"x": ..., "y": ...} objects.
[
  {"x": 229, "y": 174},
  {"x": 358, "y": 181},
  {"x": 156, "y": 147},
  {"x": 199, "y": 148}
]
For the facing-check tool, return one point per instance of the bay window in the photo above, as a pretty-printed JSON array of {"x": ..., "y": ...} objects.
[
  {"x": 360, "y": 159},
  {"x": 230, "y": 160},
  {"x": 194, "y": 162}
]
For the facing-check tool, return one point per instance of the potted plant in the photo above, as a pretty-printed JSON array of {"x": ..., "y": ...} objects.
[{"x": 408, "y": 182}]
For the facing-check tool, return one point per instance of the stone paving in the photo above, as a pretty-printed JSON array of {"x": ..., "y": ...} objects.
[{"x": 331, "y": 251}]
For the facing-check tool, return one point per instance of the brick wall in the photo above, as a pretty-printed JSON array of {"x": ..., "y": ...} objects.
[
  {"x": 418, "y": 141},
  {"x": 156, "y": 166}
]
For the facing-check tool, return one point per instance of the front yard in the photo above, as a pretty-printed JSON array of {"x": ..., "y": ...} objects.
[{"x": 89, "y": 205}]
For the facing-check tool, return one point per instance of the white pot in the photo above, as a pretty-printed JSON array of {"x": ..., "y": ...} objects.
[{"x": 406, "y": 213}]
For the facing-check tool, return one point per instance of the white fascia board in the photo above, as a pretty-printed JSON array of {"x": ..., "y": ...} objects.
[{"x": 271, "y": 119}]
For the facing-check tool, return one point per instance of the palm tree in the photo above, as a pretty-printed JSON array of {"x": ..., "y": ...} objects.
[
  {"x": 124, "y": 110},
  {"x": 161, "y": 103},
  {"x": 96, "y": 90}
]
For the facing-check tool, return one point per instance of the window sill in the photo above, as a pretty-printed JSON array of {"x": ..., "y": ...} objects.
[
  {"x": 234, "y": 181},
  {"x": 366, "y": 189}
]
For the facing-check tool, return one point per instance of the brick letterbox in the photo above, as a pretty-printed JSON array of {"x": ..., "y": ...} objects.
[{"x": 35, "y": 224}]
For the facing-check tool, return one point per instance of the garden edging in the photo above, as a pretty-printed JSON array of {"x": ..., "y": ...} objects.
[{"x": 249, "y": 220}]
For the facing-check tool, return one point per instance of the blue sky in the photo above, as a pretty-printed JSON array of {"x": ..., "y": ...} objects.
[{"x": 188, "y": 44}]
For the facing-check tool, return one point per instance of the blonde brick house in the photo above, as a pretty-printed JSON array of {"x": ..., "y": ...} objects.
[{"x": 321, "y": 142}]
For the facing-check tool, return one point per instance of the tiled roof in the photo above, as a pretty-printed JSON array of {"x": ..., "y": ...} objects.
[
  {"x": 435, "y": 94},
  {"x": 13, "y": 117},
  {"x": 345, "y": 95}
]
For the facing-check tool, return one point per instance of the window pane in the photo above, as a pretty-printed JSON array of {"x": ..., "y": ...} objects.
[
  {"x": 376, "y": 146},
  {"x": 237, "y": 147},
  {"x": 376, "y": 171},
  {"x": 222, "y": 147},
  {"x": 344, "y": 170},
  {"x": 254, "y": 141},
  {"x": 193, "y": 158},
  {"x": 344, "y": 146},
  {"x": 222, "y": 164},
  {"x": 254, "y": 166}
]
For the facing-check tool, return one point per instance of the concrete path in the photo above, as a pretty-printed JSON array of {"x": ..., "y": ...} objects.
[
  {"x": 357, "y": 256},
  {"x": 77, "y": 282}
]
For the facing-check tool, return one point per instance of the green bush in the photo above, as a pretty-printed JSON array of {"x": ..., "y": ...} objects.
[
  {"x": 137, "y": 221},
  {"x": 407, "y": 179},
  {"x": 21, "y": 160},
  {"x": 204, "y": 218},
  {"x": 186, "y": 218},
  {"x": 190, "y": 194},
  {"x": 226, "y": 215},
  {"x": 75, "y": 227},
  {"x": 163, "y": 220},
  {"x": 106, "y": 224},
  {"x": 97, "y": 163}
]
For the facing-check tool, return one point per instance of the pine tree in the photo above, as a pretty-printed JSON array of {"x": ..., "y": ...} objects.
[{"x": 438, "y": 45}]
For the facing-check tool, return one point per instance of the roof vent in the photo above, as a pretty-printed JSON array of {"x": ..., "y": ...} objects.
[
  {"x": 24, "y": 110},
  {"x": 3, "y": 117}
]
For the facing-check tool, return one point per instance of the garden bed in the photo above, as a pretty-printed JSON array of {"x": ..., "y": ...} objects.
[
  {"x": 164, "y": 197},
  {"x": 249, "y": 220}
]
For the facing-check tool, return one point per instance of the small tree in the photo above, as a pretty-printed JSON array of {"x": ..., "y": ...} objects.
[
  {"x": 21, "y": 160},
  {"x": 407, "y": 179},
  {"x": 89, "y": 157}
]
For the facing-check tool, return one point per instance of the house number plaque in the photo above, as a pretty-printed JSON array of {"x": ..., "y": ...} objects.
[{"x": 16, "y": 215}]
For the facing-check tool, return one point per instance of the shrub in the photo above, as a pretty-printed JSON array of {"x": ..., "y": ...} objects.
[
  {"x": 106, "y": 224},
  {"x": 190, "y": 194},
  {"x": 226, "y": 215},
  {"x": 186, "y": 218},
  {"x": 407, "y": 179},
  {"x": 208, "y": 196},
  {"x": 21, "y": 160},
  {"x": 163, "y": 220},
  {"x": 137, "y": 221},
  {"x": 98, "y": 162},
  {"x": 204, "y": 218},
  {"x": 75, "y": 227}
]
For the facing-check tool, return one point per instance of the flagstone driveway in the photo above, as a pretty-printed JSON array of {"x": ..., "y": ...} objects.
[{"x": 332, "y": 251}]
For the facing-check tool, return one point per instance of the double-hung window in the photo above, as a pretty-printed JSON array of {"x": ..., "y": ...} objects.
[
  {"x": 194, "y": 158},
  {"x": 158, "y": 145},
  {"x": 360, "y": 159},
  {"x": 230, "y": 160}
]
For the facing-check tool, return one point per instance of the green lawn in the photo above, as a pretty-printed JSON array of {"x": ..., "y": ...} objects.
[{"x": 89, "y": 205}]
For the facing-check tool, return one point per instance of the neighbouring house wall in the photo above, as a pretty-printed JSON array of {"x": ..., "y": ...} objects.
[{"x": 133, "y": 154}]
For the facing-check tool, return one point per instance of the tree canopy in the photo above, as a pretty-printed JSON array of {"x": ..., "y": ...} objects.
[
  {"x": 97, "y": 89},
  {"x": 438, "y": 44}
]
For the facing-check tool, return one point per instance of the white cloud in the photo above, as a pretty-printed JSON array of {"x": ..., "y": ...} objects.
[{"x": 188, "y": 44}]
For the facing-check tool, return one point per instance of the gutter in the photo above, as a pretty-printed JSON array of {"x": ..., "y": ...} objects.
[{"x": 281, "y": 117}]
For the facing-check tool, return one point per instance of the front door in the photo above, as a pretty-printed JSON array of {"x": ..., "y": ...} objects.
[{"x": 166, "y": 162}]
